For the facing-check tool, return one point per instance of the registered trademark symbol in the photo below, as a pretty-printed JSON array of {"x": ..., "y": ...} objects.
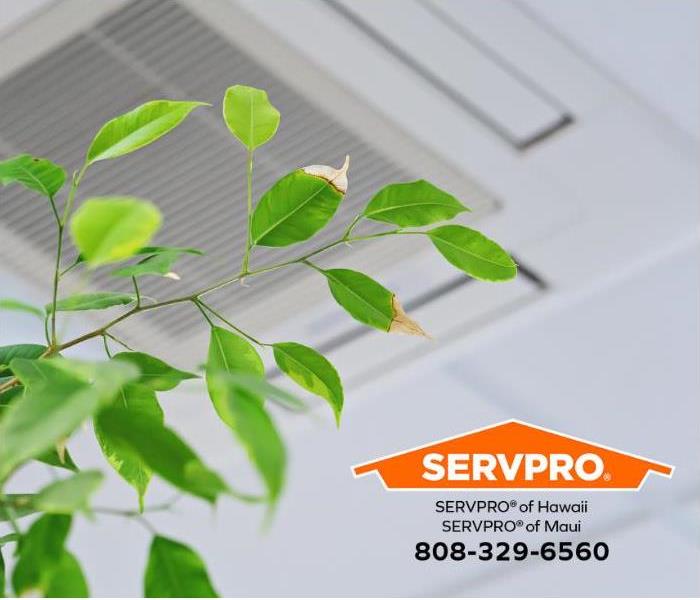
[
  {"x": 607, "y": 476},
  {"x": 513, "y": 503},
  {"x": 518, "y": 523}
]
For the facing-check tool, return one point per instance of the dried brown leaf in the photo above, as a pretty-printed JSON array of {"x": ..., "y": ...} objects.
[
  {"x": 338, "y": 178},
  {"x": 402, "y": 323}
]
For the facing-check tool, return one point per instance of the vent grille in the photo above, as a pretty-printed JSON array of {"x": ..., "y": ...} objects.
[{"x": 53, "y": 106}]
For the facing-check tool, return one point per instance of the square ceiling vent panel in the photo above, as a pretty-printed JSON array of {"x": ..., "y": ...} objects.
[{"x": 53, "y": 105}]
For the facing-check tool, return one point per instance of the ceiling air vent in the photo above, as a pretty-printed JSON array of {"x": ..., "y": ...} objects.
[{"x": 53, "y": 105}]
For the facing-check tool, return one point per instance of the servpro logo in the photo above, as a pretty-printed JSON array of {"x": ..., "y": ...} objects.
[{"x": 513, "y": 455}]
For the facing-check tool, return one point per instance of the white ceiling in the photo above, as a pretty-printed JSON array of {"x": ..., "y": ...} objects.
[
  {"x": 659, "y": 66},
  {"x": 606, "y": 211}
]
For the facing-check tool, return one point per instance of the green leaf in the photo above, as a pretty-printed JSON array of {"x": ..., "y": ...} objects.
[
  {"x": 112, "y": 228},
  {"x": 33, "y": 372},
  {"x": 138, "y": 128},
  {"x": 19, "y": 306},
  {"x": 67, "y": 580},
  {"x": 231, "y": 353},
  {"x": 157, "y": 264},
  {"x": 147, "y": 251},
  {"x": 258, "y": 386},
  {"x": 473, "y": 253},
  {"x": 155, "y": 374},
  {"x": 312, "y": 371},
  {"x": 52, "y": 458},
  {"x": 250, "y": 116},
  {"x": 138, "y": 401},
  {"x": 298, "y": 205},
  {"x": 40, "y": 555},
  {"x": 175, "y": 571},
  {"x": 55, "y": 403},
  {"x": 69, "y": 495},
  {"x": 370, "y": 302},
  {"x": 22, "y": 506},
  {"x": 245, "y": 414},
  {"x": 37, "y": 174},
  {"x": 91, "y": 301},
  {"x": 153, "y": 250},
  {"x": 7, "y": 353},
  {"x": 9, "y": 395},
  {"x": 105, "y": 378},
  {"x": 412, "y": 204},
  {"x": 161, "y": 450}
]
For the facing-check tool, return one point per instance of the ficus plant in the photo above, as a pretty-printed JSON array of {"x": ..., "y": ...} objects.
[{"x": 45, "y": 395}]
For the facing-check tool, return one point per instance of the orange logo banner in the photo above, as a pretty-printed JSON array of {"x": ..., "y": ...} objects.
[{"x": 513, "y": 455}]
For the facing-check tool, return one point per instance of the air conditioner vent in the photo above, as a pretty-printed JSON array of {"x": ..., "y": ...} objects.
[{"x": 53, "y": 106}]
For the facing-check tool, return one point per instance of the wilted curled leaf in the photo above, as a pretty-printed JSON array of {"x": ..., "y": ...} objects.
[
  {"x": 337, "y": 178},
  {"x": 402, "y": 323}
]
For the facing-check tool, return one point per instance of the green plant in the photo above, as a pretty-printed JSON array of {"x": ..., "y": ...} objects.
[{"x": 45, "y": 395}]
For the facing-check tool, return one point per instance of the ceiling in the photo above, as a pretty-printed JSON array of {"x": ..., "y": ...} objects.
[{"x": 590, "y": 178}]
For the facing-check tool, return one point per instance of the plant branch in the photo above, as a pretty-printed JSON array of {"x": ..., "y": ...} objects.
[
  {"x": 56, "y": 275},
  {"x": 248, "y": 242},
  {"x": 231, "y": 325},
  {"x": 72, "y": 266},
  {"x": 60, "y": 226},
  {"x": 113, "y": 337},
  {"x": 204, "y": 314},
  {"x": 117, "y": 512},
  {"x": 9, "y": 384},
  {"x": 77, "y": 177},
  {"x": 106, "y": 345},
  {"x": 197, "y": 295},
  {"x": 352, "y": 225},
  {"x": 136, "y": 291},
  {"x": 46, "y": 329}
]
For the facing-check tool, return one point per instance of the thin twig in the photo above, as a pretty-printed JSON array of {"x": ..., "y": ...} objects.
[
  {"x": 136, "y": 290},
  {"x": 114, "y": 338},
  {"x": 118, "y": 512},
  {"x": 219, "y": 316},
  {"x": 106, "y": 345},
  {"x": 204, "y": 314}
]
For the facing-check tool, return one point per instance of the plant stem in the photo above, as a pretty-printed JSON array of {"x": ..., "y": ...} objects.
[
  {"x": 60, "y": 226},
  {"x": 354, "y": 222},
  {"x": 197, "y": 295},
  {"x": 71, "y": 194},
  {"x": 106, "y": 345},
  {"x": 117, "y": 512},
  {"x": 224, "y": 283},
  {"x": 204, "y": 314},
  {"x": 120, "y": 342},
  {"x": 46, "y": 330},
  {"x": 248, "y": 242},
  {"x": 231, "y": 325},
  {"x": 11, "y": 514},
  {"x": 136, "y": 290},
  {"x": 57, "y": 271}
]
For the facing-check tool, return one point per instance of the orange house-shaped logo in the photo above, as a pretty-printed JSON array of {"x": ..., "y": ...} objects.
[{"x": 513, "y": 455}]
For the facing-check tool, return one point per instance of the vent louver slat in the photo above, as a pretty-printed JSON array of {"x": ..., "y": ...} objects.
[{"x": 54, "y": 106}]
